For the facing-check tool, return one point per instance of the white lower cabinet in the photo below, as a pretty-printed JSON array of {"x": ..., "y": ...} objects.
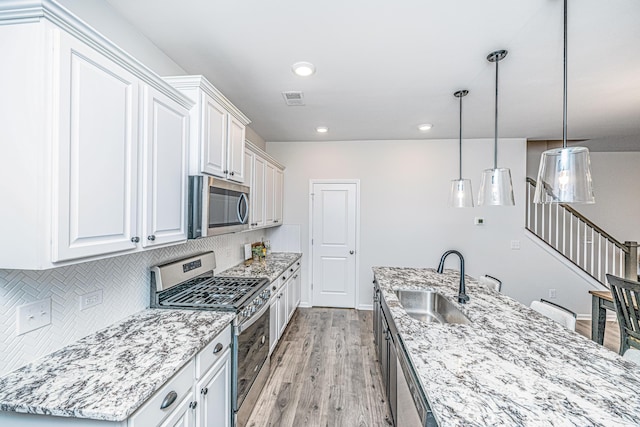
[
  {"x": 163, "y": 405},
  {"x": 284, "y": 301},
  {"x": 213, "y": 407},
  {"x": 197, "y": 396},
  {"x": 182, "y": 415}
]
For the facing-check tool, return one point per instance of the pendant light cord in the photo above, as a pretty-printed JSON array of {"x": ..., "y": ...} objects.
[
  {"x": 460, "y": 144},
  {"x": 495, "y": 141},
  {"x": 564, "y": 95}
]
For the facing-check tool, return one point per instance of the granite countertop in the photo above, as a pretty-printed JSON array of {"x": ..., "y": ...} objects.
[
  {"x": 510, "y": 366},
  {"x": 275, "y": 264},
  {"x": 109, "y": 374}
]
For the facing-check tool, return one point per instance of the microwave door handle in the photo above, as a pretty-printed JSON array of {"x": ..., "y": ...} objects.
[{"x": 242, "y": 217}]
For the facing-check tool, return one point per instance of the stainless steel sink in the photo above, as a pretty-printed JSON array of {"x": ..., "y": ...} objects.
[{"x": 430, "y": 307}]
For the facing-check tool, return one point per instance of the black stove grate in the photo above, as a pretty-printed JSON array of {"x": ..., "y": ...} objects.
[{"x": 216, "y": 292}]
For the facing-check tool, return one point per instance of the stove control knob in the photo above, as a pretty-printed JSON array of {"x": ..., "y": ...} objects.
[{"x": 253, "y": 309}]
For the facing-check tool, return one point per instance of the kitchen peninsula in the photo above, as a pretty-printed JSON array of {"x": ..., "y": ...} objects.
[{"x": 510, "y": 365}]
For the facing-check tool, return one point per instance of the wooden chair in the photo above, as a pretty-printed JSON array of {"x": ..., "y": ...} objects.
[
  {"x": 491, "y": 282},
  {"x": 555, "y": 312},
  {"x": 626, "y": 297}
]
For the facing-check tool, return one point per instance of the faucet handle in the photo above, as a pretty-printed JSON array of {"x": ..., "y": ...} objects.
[{"x": 463, "y": 298}]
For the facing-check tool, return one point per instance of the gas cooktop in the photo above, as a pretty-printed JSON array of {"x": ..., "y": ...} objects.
[{"x": 226, "y": 293}]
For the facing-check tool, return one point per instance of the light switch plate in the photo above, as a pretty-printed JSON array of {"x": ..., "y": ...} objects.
[
  {"x": 247, "y": 251},
  {"x": 33, "y": 315}
]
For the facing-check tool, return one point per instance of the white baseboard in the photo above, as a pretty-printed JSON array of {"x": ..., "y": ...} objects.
[
  {"x": 365, "y": 307},
  {"x": 304, "y": 304}
]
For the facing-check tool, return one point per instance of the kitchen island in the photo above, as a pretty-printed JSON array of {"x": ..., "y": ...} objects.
[{"x": 510, "y": 366}]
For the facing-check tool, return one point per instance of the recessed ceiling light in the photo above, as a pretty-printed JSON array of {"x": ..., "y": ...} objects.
[
  {"x": 322, "y": 129},
  {"x": 303, "y": 69},
  {"x": 425, "y": 127}
]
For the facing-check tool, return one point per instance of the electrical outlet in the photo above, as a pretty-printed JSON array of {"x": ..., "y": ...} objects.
[
  {"x": 91, "y": 299},
  {"x": 33, "y": 316},
  {"x": 478, "y": 220},
  {"x": 552, "y": 293},
  {"x": 515, "y": 245}
]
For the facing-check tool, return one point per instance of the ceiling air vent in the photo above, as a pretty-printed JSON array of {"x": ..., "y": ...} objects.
[{"x": 293, "y": 98}]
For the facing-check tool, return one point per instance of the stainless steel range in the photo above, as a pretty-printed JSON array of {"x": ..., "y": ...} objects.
[{"x": 189, "y": 283}]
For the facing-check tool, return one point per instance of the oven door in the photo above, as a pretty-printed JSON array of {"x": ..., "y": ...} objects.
[{"x": 253, "y": 352}]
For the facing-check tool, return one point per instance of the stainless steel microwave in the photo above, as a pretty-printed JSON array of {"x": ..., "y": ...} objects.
[{"x": 216, "y": 207}]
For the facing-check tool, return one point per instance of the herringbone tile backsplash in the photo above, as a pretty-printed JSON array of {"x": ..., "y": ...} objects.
[{"x": 124, "y": 281}]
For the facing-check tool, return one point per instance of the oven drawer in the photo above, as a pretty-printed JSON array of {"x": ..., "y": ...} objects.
[
  {"x": 178, "y": 388},
  {"x": 212, "y": 352}
]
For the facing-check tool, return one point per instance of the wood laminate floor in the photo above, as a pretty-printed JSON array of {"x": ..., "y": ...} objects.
[
  {"x": 324, "y": 373},
  {"x": 611, "y": 333}
]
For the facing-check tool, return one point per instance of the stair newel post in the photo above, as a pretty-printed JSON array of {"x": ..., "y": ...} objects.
[{"x": 631, "y": 261}]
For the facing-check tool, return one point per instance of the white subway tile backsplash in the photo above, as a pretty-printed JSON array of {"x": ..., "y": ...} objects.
[{"x": 124, "y": 281}]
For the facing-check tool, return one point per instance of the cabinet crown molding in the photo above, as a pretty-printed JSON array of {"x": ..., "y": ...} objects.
[
  {"x": 33, "y": 11},
  {"x": 201, "y": 82},
  {"x": 257, "y": 150}
]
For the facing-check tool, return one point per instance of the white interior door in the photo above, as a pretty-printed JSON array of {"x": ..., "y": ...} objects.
[{"x": 334, "y": 232}]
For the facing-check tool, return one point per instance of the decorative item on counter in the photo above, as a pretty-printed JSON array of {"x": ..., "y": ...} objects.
[
  {"x": 267, "y": 245},
  {"x": 259, "y": 252}
]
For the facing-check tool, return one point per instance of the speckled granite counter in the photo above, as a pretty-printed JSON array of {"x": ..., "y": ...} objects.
[
  {"x": 510, "y": 366},
  {"x": 109, "y": 374},
  {"x": 275, "y": 264}
]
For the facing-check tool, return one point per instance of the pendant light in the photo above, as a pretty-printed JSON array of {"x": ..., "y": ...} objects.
[
  {"x": 495, "y": 186},
  {"x": 565, "y": 173},
  {"x": 461, "y": 195}
]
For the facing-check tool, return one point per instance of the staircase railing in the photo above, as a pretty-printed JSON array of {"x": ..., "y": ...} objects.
[{"x": 581, "y": 241}]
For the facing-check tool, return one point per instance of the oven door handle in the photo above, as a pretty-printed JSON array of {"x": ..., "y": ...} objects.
[{"x": 252, "y": 320}]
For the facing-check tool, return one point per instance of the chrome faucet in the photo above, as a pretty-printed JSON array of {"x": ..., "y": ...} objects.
[{"x": 462, "y": 296}]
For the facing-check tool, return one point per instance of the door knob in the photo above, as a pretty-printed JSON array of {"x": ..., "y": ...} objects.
[{"x": 351, "y": 252}]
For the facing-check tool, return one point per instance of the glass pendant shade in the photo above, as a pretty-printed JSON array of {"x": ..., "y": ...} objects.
[
  {"x": 461, "y": 195},
  {"x": 496, "y": 188},
  {"x": 564, "y": 177}
]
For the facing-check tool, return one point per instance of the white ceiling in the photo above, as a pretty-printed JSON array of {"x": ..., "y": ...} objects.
[{"x": 383, "y": 67}]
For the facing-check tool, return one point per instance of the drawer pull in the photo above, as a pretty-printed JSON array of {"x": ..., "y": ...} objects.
[
  {"x": 192, "y": 405},
  {"x": 204, "y": 391},
  {"x": 169, "y": 399},
  {"x": 218, "y": 348}
]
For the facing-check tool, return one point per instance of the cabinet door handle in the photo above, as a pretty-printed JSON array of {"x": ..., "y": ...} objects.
[
  {"x": 169, "y": 399},
  {"x": 295, "y": 277},
  {"x": 351, "y": 252},
  {"x": 152, "y": 237},
  {"x": 232, "y": 173},
  {"x": 193, "y": 405},
  {"x": 204, "y": 391},
  {"x": 218, "y": 348},
  {"x": 135, "y": 239},
  {"x": 291, "y": 270}
]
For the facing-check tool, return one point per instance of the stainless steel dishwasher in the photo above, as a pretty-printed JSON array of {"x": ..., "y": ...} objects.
[{"x": 413, "y": 409}]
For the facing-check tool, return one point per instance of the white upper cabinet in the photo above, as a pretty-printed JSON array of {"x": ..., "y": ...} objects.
[
  {"x": 269, "y": 192},
  {"x": 278, "y": 187},
  {"x": 95, "y": 188},
  {"x": 257, "y": 191},
  {"x": 164, "y": 174},
  {"x": 213, "y": 132},
  {"x": 236, "y": 150},
  {"x": 217, "y": 130},
  {"x": 267, "y": 180},
  {"x": 95, "y": 142}
]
